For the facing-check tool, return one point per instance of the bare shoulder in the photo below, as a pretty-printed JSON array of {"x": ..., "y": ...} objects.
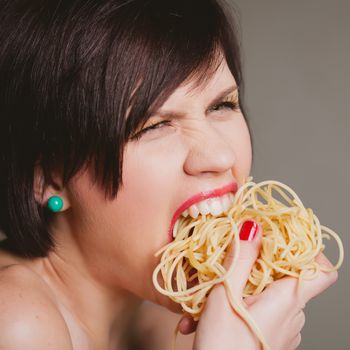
[{"x": 29, "y": 318}]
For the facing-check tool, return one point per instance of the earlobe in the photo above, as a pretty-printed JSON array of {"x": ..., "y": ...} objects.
[{"x": 54, "y": 197}]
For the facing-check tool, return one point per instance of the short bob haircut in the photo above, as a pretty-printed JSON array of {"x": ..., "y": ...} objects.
[{"x": 70, "y": 70}]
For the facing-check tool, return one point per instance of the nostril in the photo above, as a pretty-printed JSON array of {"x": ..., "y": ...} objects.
[{"x": 209, "y": 161}]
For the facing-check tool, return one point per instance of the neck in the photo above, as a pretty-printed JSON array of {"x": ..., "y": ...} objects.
[{"x": 103, "y": 313}]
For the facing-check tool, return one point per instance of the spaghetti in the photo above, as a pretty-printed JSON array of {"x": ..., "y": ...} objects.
[{"x": 192, "y": 264}]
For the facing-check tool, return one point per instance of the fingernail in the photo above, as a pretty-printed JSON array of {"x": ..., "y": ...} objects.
[{"x": 248, "y": 230}]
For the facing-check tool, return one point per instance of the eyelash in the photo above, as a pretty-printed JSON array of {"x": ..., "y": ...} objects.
[
  {"x": 149, "y": 128},
  {"x": 228, "y": 104}
]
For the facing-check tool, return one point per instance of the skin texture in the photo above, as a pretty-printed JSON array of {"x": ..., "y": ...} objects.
[
  {"x": 105, "y": 249},
  {"x": 86, "y": 292}
]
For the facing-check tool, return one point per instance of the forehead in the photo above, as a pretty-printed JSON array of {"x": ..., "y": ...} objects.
[{"x": 219, "y": 80}]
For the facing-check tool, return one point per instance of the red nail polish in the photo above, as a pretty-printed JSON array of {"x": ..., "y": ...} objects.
[{"x": 248, "y": 230}]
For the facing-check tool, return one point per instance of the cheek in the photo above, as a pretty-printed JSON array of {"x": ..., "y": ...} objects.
[
  {"x": 145, "y": 178},
  {"x": 244, "y": 150},
  {"x": 238, "y": 137},
  {"x": 145, "y": 197}
]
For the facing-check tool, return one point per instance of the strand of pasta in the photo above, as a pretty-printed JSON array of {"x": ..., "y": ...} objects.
[{"x": 192, "y": 264}]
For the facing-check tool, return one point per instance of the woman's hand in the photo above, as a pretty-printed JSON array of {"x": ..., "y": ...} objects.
[{"x": 277, "y": 311}]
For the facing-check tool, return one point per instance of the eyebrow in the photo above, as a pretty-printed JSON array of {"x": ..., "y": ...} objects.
[{"x": 177, "y": 115}]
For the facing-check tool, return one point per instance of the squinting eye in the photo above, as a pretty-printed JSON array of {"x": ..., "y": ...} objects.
[
  {"x": 230, "y": 102},
  {"x": 232, "y": 105},
  {"x": 151, "y": 127}
]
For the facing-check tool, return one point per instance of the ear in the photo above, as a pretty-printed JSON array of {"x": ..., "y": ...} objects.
[{"x": 42, "y": 192}]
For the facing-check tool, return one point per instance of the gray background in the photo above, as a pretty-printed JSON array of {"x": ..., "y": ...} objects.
[{"x": 296, "y": 57}]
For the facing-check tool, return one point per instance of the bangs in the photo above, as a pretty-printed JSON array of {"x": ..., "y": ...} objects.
[
  {"x": 177, "y": 44},
  {"x": 79, "y": 77},
  {"x": 93, "y": 72},
  {"x": 169, "y": 44}
]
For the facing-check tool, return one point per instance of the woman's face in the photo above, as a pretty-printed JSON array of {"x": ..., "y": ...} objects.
[{"x": 202, "y": 144}]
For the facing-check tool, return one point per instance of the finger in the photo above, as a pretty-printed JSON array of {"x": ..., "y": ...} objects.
[
  {"x": 187, "y": 325},
  {"x": 251, "y": 299},
  {"x": 300, "y": 320},
  {"x": 295, "y": 342},
  {"x": 314, "y": 287},
  {"x": 250, "y": 243},
  {"x": 323, "y": 261}
]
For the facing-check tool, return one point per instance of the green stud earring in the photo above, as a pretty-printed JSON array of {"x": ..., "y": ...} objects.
[{"x": 55, "y": 204}]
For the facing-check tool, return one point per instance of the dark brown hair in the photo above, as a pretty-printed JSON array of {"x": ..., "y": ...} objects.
[{"x": 69, "y": 71}]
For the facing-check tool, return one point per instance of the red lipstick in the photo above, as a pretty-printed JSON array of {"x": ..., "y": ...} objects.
[{"x": 232, "y": 187}]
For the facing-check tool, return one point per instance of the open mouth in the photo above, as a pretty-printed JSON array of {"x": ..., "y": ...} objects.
[
  {"x": 215, "y": 203},
  {"x": 214, "y": 206}
]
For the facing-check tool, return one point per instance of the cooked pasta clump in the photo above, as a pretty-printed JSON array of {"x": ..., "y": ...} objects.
[{"x": 192, "y": 264}]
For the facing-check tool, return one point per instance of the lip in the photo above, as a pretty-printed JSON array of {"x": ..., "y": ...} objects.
[{"x": 232, "y": 187}]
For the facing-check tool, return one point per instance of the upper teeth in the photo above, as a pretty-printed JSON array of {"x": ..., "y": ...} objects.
[{"x": 214, "y": 206}]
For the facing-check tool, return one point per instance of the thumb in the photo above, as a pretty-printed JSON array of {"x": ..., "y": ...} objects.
[{"x": 250, "y": 243}]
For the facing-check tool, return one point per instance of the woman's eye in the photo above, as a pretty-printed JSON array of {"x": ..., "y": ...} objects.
[
  {"x": 232, "y": 105},
  {"x": 150, "y": 128}
]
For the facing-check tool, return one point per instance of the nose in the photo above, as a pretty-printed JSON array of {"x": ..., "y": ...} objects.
[{"x": 209, "y": 152}]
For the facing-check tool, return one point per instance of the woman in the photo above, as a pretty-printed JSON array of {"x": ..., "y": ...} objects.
[{"x": 113, "y": 113}]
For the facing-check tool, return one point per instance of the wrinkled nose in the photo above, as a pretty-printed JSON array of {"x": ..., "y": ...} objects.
[{"x": 209, "y": 152}]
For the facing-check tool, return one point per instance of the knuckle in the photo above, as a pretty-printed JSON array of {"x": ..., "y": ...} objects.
[
  {"x": 329, "y": 279},
  {"x": 300, "y": 303},
  {"x": 286, "y": 289},
  {"x": 302, "y": 319},
  {"x": 278, "y": 294},
  {"x": 333, "y": 277},
  {"x": 281, "y": 287},
  {"x": 298, "y": 340},
  {"x": 295, "y": 342}
]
